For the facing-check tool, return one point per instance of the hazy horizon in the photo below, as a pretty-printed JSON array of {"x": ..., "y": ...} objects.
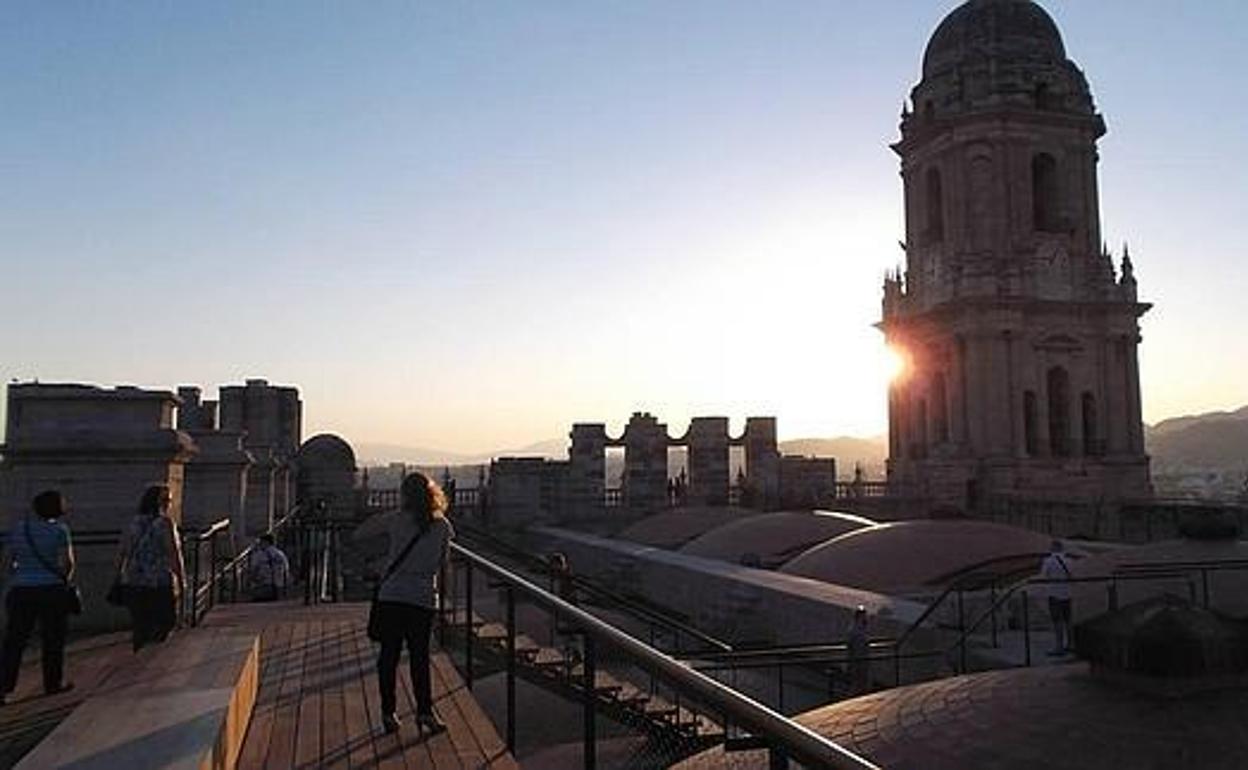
[{"x": 466, "y": 227}]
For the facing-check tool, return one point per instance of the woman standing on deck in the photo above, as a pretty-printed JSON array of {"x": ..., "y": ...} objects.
[
  {"x": 150, "y": 569},
  {"x": 407, "y": 596},
  {"x": 40, "y": 561}
]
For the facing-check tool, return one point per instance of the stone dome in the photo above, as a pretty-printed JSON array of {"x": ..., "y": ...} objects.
[
  {"x": 919, "y": 555},
  {"x": 771, "y": 539},
  {"x": 326, "y": 451},
  {"x": 673, "y": 528},
  {"x": 1025, "y": 719},
  {"x": 1013, "y": 29},
  {"x": 990, "y": 55}
]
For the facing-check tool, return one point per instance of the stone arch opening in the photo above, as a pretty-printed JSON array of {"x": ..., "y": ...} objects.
[
  {"x": 940, "y": 408},
  {"x": 934, "y": 195},
  {"x": 1045, "y": 193},
  {"x": 918, "y": 446},
  {"x": 1031, "y": 437},
  {"x": 1093, "y": 445},
  {"x": 1058, "y": 382},
  {"x": 1043, "y": 96}
]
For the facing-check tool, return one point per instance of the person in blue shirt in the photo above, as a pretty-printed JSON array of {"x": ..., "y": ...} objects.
[{"x": 40, "y": 564}]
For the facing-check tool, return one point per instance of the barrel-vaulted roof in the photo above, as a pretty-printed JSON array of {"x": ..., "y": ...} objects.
[
  {"x": 914, "y": 555},
  {"x": 770, "y": 539}
]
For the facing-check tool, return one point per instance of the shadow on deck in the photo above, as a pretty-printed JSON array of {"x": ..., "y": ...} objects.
[{"x": 316, "y": 704}]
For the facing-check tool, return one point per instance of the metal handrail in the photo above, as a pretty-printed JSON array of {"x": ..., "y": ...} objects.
[
  {"x": 791, "y": 738},
  {"x": 594, "y": 588},
  {"x": 1162, "y": 571}
]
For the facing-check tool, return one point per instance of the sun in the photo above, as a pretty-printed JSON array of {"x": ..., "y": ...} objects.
[{"x": 896, "y": 363}]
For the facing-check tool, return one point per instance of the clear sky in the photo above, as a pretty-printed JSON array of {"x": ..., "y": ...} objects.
[{"x": 467, "y": 225}]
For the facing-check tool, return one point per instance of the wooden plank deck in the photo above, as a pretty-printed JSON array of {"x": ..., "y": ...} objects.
[
  {"x": 30, "y": 715},
  {"x": 318, "y": 702}
]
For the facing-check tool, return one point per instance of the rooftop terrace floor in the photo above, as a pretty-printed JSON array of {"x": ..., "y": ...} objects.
[{"x": 317, "y": 704}]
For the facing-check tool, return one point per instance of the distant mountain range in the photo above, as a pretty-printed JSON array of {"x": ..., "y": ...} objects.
[
  {"x": 847, "y": 450},
  {"x": 1215, "y": 441},
  {"x": 384, "y": 454}
]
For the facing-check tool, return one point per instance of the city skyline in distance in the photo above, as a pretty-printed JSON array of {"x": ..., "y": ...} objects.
[{"x": 470, "y": 229}]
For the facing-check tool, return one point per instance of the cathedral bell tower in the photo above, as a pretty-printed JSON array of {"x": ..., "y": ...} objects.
[{"x": 1020, "y": 336}]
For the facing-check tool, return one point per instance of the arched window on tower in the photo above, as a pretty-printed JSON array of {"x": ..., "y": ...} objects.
[
  {"x": 1059, "y": 412},
  {"x": 918, "y": 439},
  {"x": 1093, "y": 445},
  {"x": 940, "y": 408},
  {"x": 1031, "y": 438},
  {"x": 935, "y": 207},
  {"x": 1044, "y": 97},
  {"x": 1045, "y": 193}
]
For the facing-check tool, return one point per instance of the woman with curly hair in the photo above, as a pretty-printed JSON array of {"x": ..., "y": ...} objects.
[{"x": 419, "y": 535}]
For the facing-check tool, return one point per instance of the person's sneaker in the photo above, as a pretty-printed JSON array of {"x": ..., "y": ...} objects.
[
  {"x": 390, "y": 722},
  {"x": 430, "y": 722},
  {"x": 60, "y": 688}
]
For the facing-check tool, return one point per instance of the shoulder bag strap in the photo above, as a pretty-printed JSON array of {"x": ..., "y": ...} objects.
[
  {"x": 138, "y": 541},
  {"x": 1062, "y": 563},
  {"x": 399, "y": 559},
  {"x": 64, "y": 577}
]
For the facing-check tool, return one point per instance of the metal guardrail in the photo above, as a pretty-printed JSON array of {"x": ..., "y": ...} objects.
[
  {"x": 592, "y": 590},
  {"x": 1126, "y": 573},
  {"x": 204, "y": 593},
  {"x": 784, "y": 738}
]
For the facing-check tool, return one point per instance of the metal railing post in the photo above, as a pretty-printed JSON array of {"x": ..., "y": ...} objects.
[
  {"x": 468, "y": 632},
  {"x": 212, "y": 570},
  {"x": 511, "y": 669},
  {"x": 195, "y": 585},
  {"x": 780, "y": 687},
  {"x": 993, "y": 598},
  {"x": 442, "y": 604},
  {"x": 305, "y": 535},
  {"x": 591, "y": 728},
  {"x": 1026, "y": 631},
  {"x": 961, "y": 633},
  {"x": 777, "y": 759},
  {"x": 1204, "y": 580}
]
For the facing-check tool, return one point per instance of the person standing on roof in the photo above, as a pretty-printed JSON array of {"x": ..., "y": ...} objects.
[
  {"x": 269, "y": 570},
  {"x": 39, "y": 558},
  {"x": 1056, "y": 572},
  {"x": 407, "y": 597}
]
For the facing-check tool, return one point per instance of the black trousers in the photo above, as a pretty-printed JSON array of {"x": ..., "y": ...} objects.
[
  {"x": 25, "y": 605},
  {"x": 153, "y": 614},
  {"x": 410, "y": 624}
]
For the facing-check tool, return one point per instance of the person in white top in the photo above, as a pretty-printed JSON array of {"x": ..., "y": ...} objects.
[{"x": 1056, "y": 571}]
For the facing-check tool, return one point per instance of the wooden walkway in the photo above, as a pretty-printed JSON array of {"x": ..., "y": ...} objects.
[
  {"x": 318, "y": 701},
  {"x": 29, "y": 715},
  {"x": 317, "y": 705}
]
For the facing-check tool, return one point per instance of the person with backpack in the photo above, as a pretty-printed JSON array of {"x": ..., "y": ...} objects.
[
  {"x": 406, "y": 599},
  {"x": 150, "y": 571},
  {"x": 269, "y": 570},
  {"x": 1055, "y": 571},
  {"x": 40, "y": 565}
]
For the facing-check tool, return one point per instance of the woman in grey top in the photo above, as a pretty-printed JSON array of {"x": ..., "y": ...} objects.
[{"x": 407, "y": 597}]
